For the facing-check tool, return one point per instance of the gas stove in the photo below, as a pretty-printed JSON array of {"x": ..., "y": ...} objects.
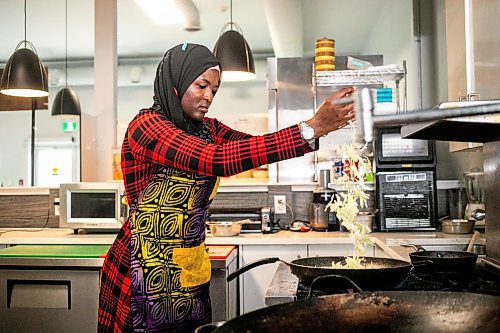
[{"x": 286, "y": 287}]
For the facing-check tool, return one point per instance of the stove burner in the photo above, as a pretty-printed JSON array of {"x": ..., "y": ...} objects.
[
  {"x": 285, "y": 287},
  {"x": 481, "y": 280}
]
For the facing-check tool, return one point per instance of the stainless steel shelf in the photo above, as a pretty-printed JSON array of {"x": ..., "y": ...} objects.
[{"x": 358, "y": 77}]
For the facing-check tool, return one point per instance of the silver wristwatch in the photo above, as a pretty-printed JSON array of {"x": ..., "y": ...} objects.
[{"x": 307, "y": 132}]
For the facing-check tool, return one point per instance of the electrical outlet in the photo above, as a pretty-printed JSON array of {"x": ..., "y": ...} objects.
[
  {"x": 280, "y": 204},
  {"x": 56, "y": 207}
]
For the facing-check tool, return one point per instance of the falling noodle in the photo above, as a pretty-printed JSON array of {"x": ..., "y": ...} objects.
[{"x": 346, "y": 205}]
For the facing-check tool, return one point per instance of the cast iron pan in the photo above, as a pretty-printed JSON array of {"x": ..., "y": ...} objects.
[
  {"x": 385, "y": 273},
  {"x": 442, "y": 261},
  {"x": 382, "y": 311}
]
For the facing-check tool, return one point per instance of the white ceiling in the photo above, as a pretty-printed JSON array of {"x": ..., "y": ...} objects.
[{"x": 348, "y": 22}]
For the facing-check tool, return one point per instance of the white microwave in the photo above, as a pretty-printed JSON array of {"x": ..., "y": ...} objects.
[{"x": 92, "y": 205}]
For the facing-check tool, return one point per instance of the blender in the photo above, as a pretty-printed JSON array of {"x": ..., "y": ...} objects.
[
  {"x": 474, "y": 187},
  {"x": 322, "y": 219}
]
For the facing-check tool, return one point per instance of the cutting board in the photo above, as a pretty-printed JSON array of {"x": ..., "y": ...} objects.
[
  {"x": 220, "y": 251},
  {"x": 86, "y": 251},
  {"x": 54, "y": 251}
]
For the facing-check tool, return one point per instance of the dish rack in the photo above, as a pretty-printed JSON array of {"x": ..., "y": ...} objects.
[
  {"x": 389, "y": 91},
  {"x": 387, "y": 83}
]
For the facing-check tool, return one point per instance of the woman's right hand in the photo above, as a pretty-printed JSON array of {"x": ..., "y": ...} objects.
[{"x": 330, "y": 116}]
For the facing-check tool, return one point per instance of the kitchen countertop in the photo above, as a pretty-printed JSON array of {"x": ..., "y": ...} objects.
[
  {"x": 66, "y": 236},
  {"x": 388, "y": 241}
]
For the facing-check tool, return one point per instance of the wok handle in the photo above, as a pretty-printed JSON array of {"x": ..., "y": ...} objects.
[
  {"x": 416, "y": 247},
  {"x": 251, "y": 265},
  {"x": 332, "y": 276}
]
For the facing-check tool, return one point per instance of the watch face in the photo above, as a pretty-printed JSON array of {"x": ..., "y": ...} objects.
[{"x": 307, "y": 133}]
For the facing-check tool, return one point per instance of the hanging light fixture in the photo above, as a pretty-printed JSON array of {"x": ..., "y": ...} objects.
[
  {"x": 66, "y": 102},
  {"x": 24, "y": 74},
  {"x": 234, "y": 54}
]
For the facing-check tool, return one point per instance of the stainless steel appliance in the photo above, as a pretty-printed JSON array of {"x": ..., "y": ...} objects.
[
  {"x": 407, "y": 200},
  {"x": 57, "y": 286},
  {"x": 224, "y": 295},
  {"x": 405, "y": 181},
  {"x": 474, "y": 187},
  {"x": 50, "y": 288},
  {"x": 322, "y": 218},
  {"x": 92, "y": 205},
  {"x": 255, "y": 219}
]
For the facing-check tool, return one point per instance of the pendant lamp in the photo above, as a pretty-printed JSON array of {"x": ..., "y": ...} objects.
[
  {"x": 234, "y": 54},
  {"x": 24, "y": 74},
  {"x": 66, "y": 102}
]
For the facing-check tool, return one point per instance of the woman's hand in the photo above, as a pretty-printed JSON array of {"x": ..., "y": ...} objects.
[{"x": 330, "y": 116}]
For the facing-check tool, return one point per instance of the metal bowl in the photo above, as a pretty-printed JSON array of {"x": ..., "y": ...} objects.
[
  {"x": 224, "y": 229},
  {"x": 457, "y": 226}
]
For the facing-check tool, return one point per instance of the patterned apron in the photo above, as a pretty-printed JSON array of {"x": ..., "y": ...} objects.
[{"x": 170, "y": 267}]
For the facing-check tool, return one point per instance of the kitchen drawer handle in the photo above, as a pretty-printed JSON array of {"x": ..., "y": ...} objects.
[{"x": 12, "y": 283}]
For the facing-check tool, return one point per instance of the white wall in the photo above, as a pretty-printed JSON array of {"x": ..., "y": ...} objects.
[
  {"x": 15, "y": 127},
  {"x": 239, "y": 98},
  {"x": 390, "y": 34}
]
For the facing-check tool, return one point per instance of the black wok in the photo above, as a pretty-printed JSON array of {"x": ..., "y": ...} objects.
[
  {"x": 384, "y": 274},
  {"x": 442, "y": 261},
  {"x": 386, "y": 311}
]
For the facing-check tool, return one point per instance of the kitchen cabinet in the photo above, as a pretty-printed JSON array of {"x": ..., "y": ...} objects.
[{"x": 253, "y": 283}]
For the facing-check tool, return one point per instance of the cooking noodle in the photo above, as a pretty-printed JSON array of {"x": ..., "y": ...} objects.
[{"x": 347, "y": 204}]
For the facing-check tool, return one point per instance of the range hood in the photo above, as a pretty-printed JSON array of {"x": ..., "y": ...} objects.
[{"x": 481, "y": 128}]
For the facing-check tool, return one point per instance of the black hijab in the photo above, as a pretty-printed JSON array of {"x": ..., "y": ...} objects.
[{"x": 180, "y": 66}]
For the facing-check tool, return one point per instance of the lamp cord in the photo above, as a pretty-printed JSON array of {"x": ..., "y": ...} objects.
[
  {"x": 66, "y": 44},
  {"x": 231, "y": 13},
  {"x": 25, "y": 23}
]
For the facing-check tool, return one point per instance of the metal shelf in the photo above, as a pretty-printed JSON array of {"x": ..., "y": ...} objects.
[{"x": 358, "y": 77}]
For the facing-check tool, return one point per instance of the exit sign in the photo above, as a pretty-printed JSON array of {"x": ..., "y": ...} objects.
[{"x": 69, "y": 126}]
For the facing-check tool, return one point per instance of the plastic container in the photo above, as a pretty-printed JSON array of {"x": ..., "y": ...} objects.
[{"x": 324, "y": 54}]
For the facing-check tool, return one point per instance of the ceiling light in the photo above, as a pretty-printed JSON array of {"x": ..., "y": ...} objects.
[
  {"x": 162, "y": 11},
  {"x": 24, "y": 74},
  {"x": 234, "y": 53},
  {"x": 66, "y": 101}
]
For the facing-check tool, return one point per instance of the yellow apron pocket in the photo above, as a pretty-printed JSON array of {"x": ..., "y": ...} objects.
[{"x": 194, "y": 263}]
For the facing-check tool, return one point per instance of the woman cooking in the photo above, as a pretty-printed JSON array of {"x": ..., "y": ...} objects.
[{"x": 156, "y": 275}]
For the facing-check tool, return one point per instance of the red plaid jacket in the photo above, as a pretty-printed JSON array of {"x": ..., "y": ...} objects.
[{"x": 152, "y": 142}]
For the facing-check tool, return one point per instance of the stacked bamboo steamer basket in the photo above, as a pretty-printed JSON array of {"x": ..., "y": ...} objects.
[{"x": 325, "y": 54}]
